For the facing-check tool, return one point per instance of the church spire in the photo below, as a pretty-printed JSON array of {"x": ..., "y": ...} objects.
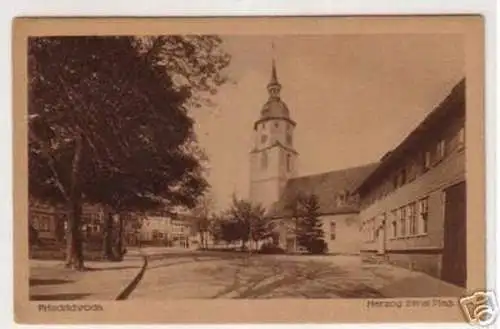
[
  {"x": 274, "y": 75},
  {"x": 274, "y": 87}
]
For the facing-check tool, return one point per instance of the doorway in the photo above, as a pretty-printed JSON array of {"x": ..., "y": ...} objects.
[{"x": 454, "y": 261}]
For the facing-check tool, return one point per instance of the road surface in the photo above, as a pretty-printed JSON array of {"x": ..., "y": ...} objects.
[{"x": 206, "y": 275}]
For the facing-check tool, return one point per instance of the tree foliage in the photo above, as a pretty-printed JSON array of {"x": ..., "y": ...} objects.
[
  {"x": 195, "y": 62},
  {"x": 307, "y": 225},
  {"x": 108, "y": 125},
  {"x": 243, "y": 222}
]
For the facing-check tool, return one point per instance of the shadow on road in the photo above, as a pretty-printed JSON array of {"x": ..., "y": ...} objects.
[
  {"x": 63, "y": 296},
  {"x": 290, "y": 280},
  {"x": 47, "y": 282}
]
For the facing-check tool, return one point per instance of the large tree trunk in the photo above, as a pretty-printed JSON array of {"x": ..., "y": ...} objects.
[
  {"x": 74, "y": 252},
  {"x": 108, "y": 237},
  {"x": 119, "y": 239}
]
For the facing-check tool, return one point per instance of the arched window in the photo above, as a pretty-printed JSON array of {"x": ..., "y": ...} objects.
[{"x": 263, "y": 160}]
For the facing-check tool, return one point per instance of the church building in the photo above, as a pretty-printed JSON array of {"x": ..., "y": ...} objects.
[{"x": 275, "y": 183}]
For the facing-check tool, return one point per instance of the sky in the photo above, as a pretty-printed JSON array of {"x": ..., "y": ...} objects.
[{"x": 354, "y": 97}]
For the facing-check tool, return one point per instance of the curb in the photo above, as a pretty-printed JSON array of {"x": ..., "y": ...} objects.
[{"x": 131, "y": 286}]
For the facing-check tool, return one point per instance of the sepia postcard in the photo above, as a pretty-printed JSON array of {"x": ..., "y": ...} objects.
[{"x": 250, "y": 170}]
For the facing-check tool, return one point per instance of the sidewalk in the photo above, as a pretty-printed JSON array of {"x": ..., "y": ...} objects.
[
  {"x": 418, "y": 284},
  {"x": 50, "y": 280}
]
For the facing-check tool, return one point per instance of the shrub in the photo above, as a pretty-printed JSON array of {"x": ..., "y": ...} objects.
[
  {"x": 270, "y": 248},
  {"x": 317, "y": 247}
]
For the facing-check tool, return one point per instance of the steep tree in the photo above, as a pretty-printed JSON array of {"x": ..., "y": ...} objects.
[
  {"x": 249, "y": 221},
  {"x": 294, "y": 214},
  {"x": 310, "y": 232},
  {"x": 108, "y": 125},
  {"x": 260, "y": 227}
]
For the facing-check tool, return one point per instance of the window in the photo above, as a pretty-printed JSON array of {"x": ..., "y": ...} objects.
[
  {"x": 412, "y": 171},
  {"x": 263, "y": 160},
  {"x": 461, "y": 138},
  {"x": 341, "y": 199},
  {"x": 423, "y": 215},
  {"x": 395, "y": 181},
  {"x": 43, "y": 223},
  {"x": 394, "y": 229},
  {"x": 412, "y": 216},
  {"x": 395, "y": 219},
  {"x": 374, "y": 230},
  {"x": 440, "y": 150},
  {"x": 276, "y": 125},
  {"x": 288, "y": 162},
  {"x": 402, "y": 177},
  {"x": 155, "y": 234},
  {"x": 427, "y": 160},
  {"x": 402, "y": 221},
  {"x": 332, "y": 230},
  {"x": 263, "y": 139},
  {"x": 289, "y": 138}
]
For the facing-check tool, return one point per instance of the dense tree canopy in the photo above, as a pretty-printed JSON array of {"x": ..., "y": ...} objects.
[{"x": 107, "y": 123}]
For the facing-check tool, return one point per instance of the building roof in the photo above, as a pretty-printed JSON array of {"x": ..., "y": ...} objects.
[
  {"x": 326, "y": 186},
  {"x": 452, "y": 106}
]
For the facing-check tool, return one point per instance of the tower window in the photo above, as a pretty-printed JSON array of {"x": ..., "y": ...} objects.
[
  {"x": 288, "y": 162},
  {"x": 289, "y": 138},
  {"x": 263, "y": 160},
  {"x": 276, "y": 125},
  {"x": 263, "y": 139}
]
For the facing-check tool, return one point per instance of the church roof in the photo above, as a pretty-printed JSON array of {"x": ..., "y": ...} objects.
[
  {"x": 274, "y": 108},
  {"x": 327, "y": 187}
]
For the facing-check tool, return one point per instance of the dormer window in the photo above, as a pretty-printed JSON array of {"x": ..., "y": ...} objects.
[
  {"x": 440, "y": 150},
  {"x": 341, "y": 198}
]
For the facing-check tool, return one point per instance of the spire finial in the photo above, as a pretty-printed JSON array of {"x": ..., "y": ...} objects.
[{"x": 274, "y": 75}]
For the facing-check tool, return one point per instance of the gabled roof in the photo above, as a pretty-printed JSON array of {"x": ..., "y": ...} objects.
[
  {"x": 452, "y": 106},
  {"x": 326, "y": 187}
]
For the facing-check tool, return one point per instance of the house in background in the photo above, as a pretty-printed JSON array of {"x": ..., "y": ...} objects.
[
  {"x": 49, "y": 222},
  {"x": 413, "y": 206},
  {"x": 164, "y": 228}
]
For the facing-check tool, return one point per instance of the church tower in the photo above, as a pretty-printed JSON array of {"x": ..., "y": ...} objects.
[{"x": 273, "y": 157}]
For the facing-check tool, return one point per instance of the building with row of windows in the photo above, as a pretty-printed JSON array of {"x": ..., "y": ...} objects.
[
  {"x": 413, "y": 206},
  {"x": 50, "y": 221},
  {"x": 165, "y": 229}
]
